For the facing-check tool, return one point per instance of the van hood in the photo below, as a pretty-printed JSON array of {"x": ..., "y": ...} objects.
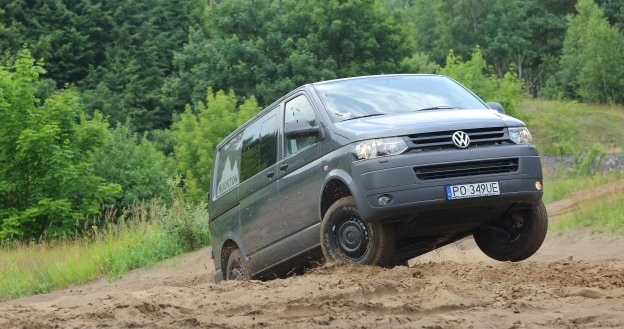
[{"x": 401, "y": 124}]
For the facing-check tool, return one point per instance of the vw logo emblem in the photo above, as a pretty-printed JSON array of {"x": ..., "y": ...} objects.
[{"x": 461, "y": 139}]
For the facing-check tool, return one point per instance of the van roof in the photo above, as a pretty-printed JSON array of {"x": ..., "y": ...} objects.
[{"x": 375, "y": 77}]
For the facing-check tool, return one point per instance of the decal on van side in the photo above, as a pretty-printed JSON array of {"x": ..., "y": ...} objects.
[
  {"x": 229, "y": 177},
  {"x": 228, "y": 170}
]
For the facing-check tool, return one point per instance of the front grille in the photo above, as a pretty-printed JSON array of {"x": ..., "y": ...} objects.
[
  {"x": 462, "y": 169},
  {"x": 441, "y": 140}
]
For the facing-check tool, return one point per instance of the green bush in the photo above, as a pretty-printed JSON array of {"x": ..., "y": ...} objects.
[
  {"x": 47, "y": 180},
  {"x": 477, "y": 76},
  {"x": 135, "y": 164}
]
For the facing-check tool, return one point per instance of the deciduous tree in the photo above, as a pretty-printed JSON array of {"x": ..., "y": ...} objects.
[
  {"x": 592, "y": 63},
  {"x": 47, "y": 179}
]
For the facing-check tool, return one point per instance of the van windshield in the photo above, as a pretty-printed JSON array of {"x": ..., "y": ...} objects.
[{"x": 378, "y": 95}]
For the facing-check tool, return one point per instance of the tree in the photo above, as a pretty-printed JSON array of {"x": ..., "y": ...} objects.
[
  {"x": 134, "y": 163},
  {"x": 136, "y": 56},
  {"x": 47, "y": 180},
  {"x": 613, "y": 11},
  {"x": 592, "y": 62},
  {"x": 116, "y": 52},
  {"x": 198, "y": 131},
  {"x": 519, "y": 35},
  {"x": 268, "y": 48},
  {"x": 478, "y": 77}
]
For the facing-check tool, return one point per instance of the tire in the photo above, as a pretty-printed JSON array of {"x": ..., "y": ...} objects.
[
  {"x": 345, "y": 237},
  {"x": 236, "y": 268},
  {"x": 515, "y": 237}
]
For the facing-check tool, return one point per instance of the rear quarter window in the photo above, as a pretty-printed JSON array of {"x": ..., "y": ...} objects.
[{"x": 228, "y": 166}]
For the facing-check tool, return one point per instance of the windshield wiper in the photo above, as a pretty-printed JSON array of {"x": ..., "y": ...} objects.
[
  {"x": 439, "y": 107},
  {"x": 365, "y": 116}
]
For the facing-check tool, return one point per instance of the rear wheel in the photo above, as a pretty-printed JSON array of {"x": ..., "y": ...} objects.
[
  {"x": 236, "y": 268},
  {"x": 515, "y": 237},
  {"x": 345, "y": 237}
]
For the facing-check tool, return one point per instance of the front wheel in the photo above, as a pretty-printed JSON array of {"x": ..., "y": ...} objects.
[
  {"x": 515, "y": 237},
  {"x": 345, "y": 237},
  {"x": 236, "y": 268}
]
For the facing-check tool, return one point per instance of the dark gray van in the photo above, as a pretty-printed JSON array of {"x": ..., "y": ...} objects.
[{"x": 373, "y": 170}]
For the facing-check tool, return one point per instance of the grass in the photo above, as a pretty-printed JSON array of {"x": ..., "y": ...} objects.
[
  {"x": 560, "y": 127},
  {"x": 605, "y": 216},
  {"x": 153, "y": 233},
  {"x": 557, "y": 186}
]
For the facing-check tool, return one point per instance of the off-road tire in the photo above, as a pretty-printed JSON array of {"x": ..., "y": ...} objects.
[
  {"x": 377, "y": 243},
  {"x": 520, "y": 245},
  {"x": 236, "y": 268}
]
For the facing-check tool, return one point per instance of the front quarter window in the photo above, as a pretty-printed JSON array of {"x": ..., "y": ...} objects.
[{"x": 299, "y": 109}]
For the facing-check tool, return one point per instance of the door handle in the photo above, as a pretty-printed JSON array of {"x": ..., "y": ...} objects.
[
  {"x": 270, "y": 174},
  {"x": 283, "y": 167}
]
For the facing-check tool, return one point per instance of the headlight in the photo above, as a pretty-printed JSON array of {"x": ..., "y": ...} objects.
[
  {"x": 520, "y": 135},
  {"x": 379, "y": 147}
]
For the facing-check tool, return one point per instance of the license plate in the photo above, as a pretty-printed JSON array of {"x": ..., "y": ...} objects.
[{"x": 471, "y": 190}]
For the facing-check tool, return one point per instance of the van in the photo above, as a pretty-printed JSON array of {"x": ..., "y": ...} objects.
[{"x": 373, "y": 170}]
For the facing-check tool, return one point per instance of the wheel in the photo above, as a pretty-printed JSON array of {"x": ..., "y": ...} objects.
[
  {"x": 345, "y": 237},
  {"x": 236, "y": 268},
  {"x": 515, "y": 237}
]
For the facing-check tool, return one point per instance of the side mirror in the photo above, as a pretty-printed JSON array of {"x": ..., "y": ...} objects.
[
  {"x": 496, "y": 106},
  {"x": 300, "y": 128}
]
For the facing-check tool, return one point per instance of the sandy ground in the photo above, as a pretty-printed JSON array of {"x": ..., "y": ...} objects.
[{"x": 575, "y": 281}]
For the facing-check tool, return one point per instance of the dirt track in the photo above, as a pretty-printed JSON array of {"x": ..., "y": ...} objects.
[{"x": 575, "y": 281}]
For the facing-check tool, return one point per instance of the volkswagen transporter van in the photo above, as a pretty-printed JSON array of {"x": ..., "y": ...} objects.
[{"x": 373, "y": 170}]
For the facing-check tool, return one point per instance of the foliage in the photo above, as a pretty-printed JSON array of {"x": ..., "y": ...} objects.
[
  {"x": 592, "y": 62},
  {"x": 198, "y": 131},
  {"x": 269, "y": 48},
  {"x": 116, "y": 52},
  {"x": 141, "y": 237},
  {"x": 184, "y": 220},
  {"x": 516, "y": 35},
  {"x": 46, "y": 155},
  {"x": 614, "y": 12},
  {"x": 141, "y": 62},
  {"x": 475, "y": 75},
  {"x": 135, "y": 165},
  {"x": 418, "y": 63}
]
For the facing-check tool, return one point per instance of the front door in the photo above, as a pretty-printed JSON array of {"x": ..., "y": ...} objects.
[{"x": 300, "y": 171}]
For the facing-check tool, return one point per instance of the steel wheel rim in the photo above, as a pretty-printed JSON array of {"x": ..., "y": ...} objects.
[{"x": 352, "y": 237}]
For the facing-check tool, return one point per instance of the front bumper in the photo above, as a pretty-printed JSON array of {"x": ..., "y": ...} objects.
[{"x": 413, "y": 196}]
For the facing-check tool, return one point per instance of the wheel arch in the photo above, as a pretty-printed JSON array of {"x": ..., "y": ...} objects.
[
  {"x": 336, "y": 186},
  {"x": 226, "y": 249}
]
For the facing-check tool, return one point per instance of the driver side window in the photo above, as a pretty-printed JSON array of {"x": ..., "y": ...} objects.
[{"x": 299, "y": 109}]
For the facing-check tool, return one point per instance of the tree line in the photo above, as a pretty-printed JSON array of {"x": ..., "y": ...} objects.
[
  {"x": 144, "y": 60},
  {"x": 102, "y": 102}
]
